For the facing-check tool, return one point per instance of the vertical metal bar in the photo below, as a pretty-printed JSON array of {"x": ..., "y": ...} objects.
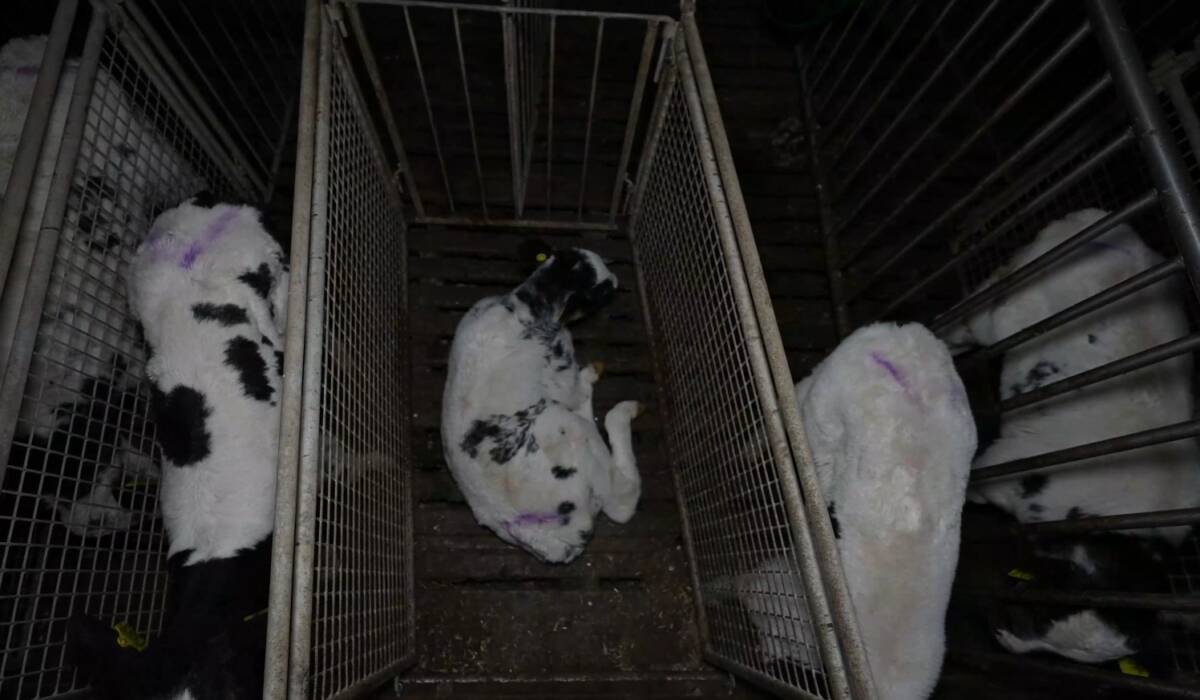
[
  {"x": 310, "y": 453},
  {"x": 291, "y": 403},
  {"x": 21, "y": 353},
  {"x": 385, "y": 106},
  {"x": 29, "y": 147},
  {"x": 829, "y": 235},
  {"x": 550, "y": 117},
  {"x": 437, "y": 144},
  {"x": 462, "y": 67},
  {"x": 631, "y": 121},
  {"x": 514, "y": 106},
  {"x": 1177, "y": 193},
  {"x": 587, "y": 134},
  {"x": 657, "y": 118},
  {"x": 817, "y": 524}
]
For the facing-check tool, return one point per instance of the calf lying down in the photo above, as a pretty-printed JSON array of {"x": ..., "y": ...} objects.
[
  {"x": 892, "y": 437},
  {"x": 1160, "y": 477},
  {"x": 517, "y": 425},
  {"x": 209, "y": 286}
]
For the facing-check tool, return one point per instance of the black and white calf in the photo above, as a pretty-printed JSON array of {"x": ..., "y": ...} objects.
[
  {"x": 1159, "y": 477},
  {"x": 209, "y": 286},
  {"x": 517, "y": 425}
]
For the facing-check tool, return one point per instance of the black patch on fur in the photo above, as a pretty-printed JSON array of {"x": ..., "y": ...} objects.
[
  {"x": 259, "y": 279},
  {"x": 564, "y": 511},
  {"x": 586, "y": 536},
  {"x": 213, "y": 641},
  {"x": 837, "y": 526},
  {"x": 266, "y": 341},
  {"x": 1036, "y": 508},
  {"x": 1076, "y": 513},
  {"x": 561, "y": 472},
  {"x": 1032, "y": 485},
  {"x": 279, "y": 362},
  {"x": 1092, "y": 338},
  {"x": 242, "y": 354},
  {"x": 509, "y": 434},
  {"x": 558, "y": 350},
  {"x": 1041, "y": 371},
  {"x": 568, "y": 282},
  {"x": 224, "y": 314},
  {"x": 180, "y": 417}
]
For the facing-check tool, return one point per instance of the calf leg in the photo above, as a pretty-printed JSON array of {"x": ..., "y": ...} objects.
[{"x": 626, "y": 483}]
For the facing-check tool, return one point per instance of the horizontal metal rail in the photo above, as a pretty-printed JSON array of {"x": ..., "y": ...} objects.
[
  {"x": 1099, "y": 300},
  {"x": 998, "y": 113},
  {"x": 526, "y": 223},
  {"x": 513, "y": 10},
  {"x": 1116, "y": 368},
  {"x": 880, "y": 13},
  {"x": 837, "y": 45},
  {"x": 1025, "y": 665},
  {"x": 1034, "y": 143},
  {"x": 1083, "y": 169},
  {"x": 1122, "y": 443},
  {"x": 983, "y": 297},
  {"x": 1101, "y": 599},
  {"x": 1181, "y": 517}
]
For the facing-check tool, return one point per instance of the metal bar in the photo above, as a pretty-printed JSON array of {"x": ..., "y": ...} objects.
[
  {"x": 1181, "y": 517},
  {"x": 1180, "y": 202},
  {"x": 820, "y": 42},
  {"x": 866, "y": 37},
  {"x": 1000, "y": 662},
  {"x": 437, "y": 144},
  {"x": 512, "y": 10},
  {"x": 310, "y": 453},
  {"x": 847, "y": 666},
  {"x": 1122, "y": 443},
  {"x": 277, "y": 153},
  {"x": 930, "y": 80},
  {"x": 1105, "y": 371},
  {"x": 879, "y": 56},
  {"x": 768, "y": 683},
  {"x": 385, "y": 107},
  {"x": 21, "y": 352},
  {"x": 911, "y": 56},
  {"x": 837, "y": 45},
  {"x": 515, "y": 223},
  {"x": 462, "y": 66},
  {"x": 1081, "y": 170},
  {"x": 825, "y": 221},
  {"x": 639, "y": 88},
  {"x": 585, "y": 677},
  {"x": 29, "y": 147},
  {"x": 1186, "y": 111},
  {"x": 1101, "y": 599},
  {"x": 550, "y": 116},
  {"x": 587, "y": 133},
  {"x": 1028, "y": 84},
  {"x": 1099, "y": 300},
  {"x": 996, "y": 115},
  {"x": 514, "y": 106},
  {"x": 291, "y": 402},
  {"x": 666, "y": 87},
  {"x": 983, "y": 297}
]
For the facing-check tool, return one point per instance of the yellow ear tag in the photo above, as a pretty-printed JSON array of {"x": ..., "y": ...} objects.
[
  {"x": 1021, "y": 575},
  {"x": 128, "y": 637},
  {"x": 541, "y": 257},
  {"x": 1132, "y": 668}
]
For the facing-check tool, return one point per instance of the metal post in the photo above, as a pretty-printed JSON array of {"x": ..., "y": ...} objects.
[
  {"x": 283, "y": 545},
  {"x": 514, "y": 105},
  {"x": 1180, "y": 202},
  {"x": 829, "y": 236},
  {"x": 29, "y": 148}
]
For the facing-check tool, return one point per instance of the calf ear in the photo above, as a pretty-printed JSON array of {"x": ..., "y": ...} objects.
[{"x": 532, "y": 252}]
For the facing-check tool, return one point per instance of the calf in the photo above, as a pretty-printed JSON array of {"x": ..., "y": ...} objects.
[
  {"x": 209, "y": 286},
  {"x": 517, "y": 426}
]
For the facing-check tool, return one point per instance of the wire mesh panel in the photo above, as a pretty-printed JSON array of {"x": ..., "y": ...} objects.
[
  {"x": 79, "y": 525},
  {"x": 763, "y": 615},
  {"x": 353, "y": 587}
]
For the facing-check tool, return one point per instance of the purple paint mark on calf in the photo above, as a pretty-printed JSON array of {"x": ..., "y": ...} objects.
[
  {"x": 535, "y": 519},
  {"x": 891, "y": 368},
  {"x": 210, "y": 236}
]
